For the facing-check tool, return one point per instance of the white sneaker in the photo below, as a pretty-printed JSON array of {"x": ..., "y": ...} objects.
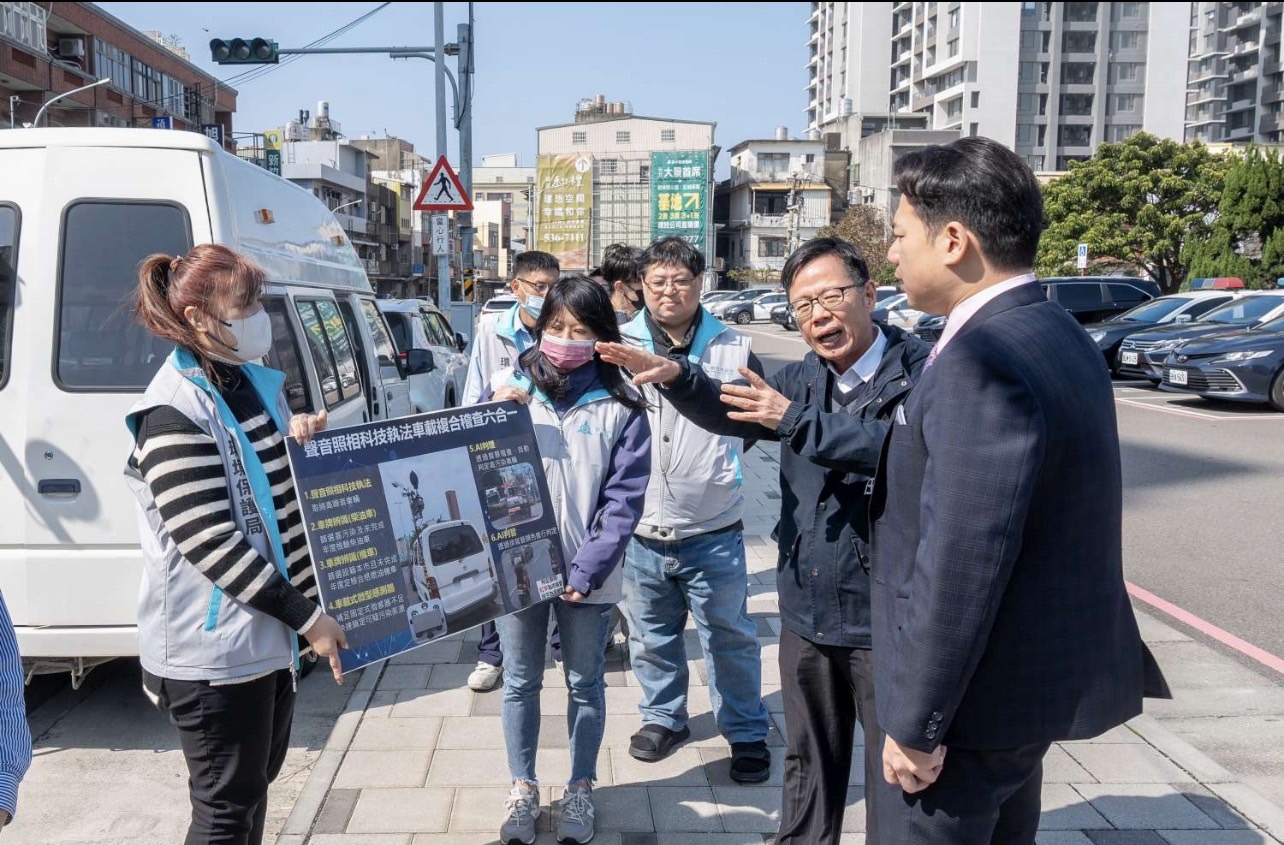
[
  {"x": 484, "y": 677},
  {"x": 521, "y": 810}
]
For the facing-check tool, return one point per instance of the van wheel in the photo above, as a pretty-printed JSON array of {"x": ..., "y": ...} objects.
[{"x": 1277, "y": 391}]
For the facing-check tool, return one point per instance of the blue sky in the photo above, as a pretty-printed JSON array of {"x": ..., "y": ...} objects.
[{"x": 742, "y": 66}]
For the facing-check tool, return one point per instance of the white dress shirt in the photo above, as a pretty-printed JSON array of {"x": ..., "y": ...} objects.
[
  {"x": 864, "y": 368},
  {"x": 968, "y": 308}
]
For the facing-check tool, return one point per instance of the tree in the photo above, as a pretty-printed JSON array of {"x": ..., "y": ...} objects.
[
  {"x": 1135, "y": 203},
  {"x": 1247, "y": 238},
  {"x": 863, "y": 227}
]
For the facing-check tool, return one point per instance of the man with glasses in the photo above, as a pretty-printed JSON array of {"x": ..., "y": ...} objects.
[
  {"x": 687, "y": 554},
  {"x": 499, "y": 339},
  {"x": 831, "y": 412}
]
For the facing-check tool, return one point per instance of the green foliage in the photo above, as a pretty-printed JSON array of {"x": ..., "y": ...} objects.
[
  {"x": 864, "y": 228},
  {"x": 754, "y": 277},
  {"x": 1135, "y": 204},
  {"x": 1247, "y": 238}
]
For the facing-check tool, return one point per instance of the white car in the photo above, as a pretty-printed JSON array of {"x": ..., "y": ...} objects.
[
  {"x": 460, "y": 565},
  {"x": 432, "y": 354},
  {"x": 899, "y": 313},
  {"x": 746, "y": 295},
  {"x": 498, "y": 302}
]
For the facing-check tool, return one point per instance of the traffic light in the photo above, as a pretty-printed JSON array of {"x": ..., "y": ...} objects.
[{"x": 244, "y": 51}]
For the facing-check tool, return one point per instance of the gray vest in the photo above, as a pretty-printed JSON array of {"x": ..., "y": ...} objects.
[{"x": 188, "y": 629}]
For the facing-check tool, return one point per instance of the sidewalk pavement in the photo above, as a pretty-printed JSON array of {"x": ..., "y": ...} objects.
[{"x": 418, "y": 759}]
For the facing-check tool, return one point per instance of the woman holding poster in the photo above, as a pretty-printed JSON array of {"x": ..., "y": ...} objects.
[
  {"x": 227, "y": 581},
  {"x": 595, "y": 444}
]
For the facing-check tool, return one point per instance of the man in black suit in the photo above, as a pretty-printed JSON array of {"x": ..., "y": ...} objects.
[{"x": 1001, "y": 622}]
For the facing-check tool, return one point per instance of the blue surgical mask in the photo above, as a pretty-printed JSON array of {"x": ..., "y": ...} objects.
[{"x": 534, "y": 305}]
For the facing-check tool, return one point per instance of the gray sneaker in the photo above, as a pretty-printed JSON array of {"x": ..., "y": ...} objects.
[
  {"x": 575, "y": 820},
  {"x": 522, "y": 808}
]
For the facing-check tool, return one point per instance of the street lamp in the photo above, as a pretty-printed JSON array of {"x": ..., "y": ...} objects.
[
  {"x": 346, "y": 204},
  {"x": 103, "y": 81}
]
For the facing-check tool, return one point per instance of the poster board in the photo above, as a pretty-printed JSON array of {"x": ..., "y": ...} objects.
[{"x": 427, "y": 525}]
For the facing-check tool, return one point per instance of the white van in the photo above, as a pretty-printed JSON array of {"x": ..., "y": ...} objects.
[
  {"x": 79, "y": 210},
  {"x": 431, "y": 351},
  {"x": 460, "y": 564}
]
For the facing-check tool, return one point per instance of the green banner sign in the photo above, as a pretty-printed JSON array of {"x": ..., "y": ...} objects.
[{"x": 680, "y": 196}]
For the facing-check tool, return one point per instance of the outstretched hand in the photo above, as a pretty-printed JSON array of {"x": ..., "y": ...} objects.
[
  {"x": 757, "y": 403},
  {"x": 647, "y": 367}
]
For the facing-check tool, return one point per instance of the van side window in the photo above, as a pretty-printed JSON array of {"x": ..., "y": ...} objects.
[
  {"x": 400, "y": 328},
  {"x": 98, "y": 344},
  {"x": 284, "y": 355},
  {"x": 379, "y": 331},
  {"x": 331, "y": 352},
  {"x": 8, "y": 279},
  {"x": 439, "y": 331}
]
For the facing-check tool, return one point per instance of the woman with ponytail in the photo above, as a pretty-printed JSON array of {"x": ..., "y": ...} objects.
[{"x": 227, "y": 582}]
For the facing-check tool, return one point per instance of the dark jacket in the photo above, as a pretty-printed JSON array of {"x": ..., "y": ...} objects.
[
  {"x": 822, "y": 573},
  {"x": 1000, "y": 613}
]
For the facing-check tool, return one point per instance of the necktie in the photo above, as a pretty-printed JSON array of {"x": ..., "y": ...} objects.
[{"x": 931, "y": 357}]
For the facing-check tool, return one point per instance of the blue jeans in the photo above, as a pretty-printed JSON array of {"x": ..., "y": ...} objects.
[
  {"x": 705, "y": 575},
  {"x": 524, "y": 635}
]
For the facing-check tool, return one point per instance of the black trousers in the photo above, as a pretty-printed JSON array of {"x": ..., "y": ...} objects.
[
  {"x": 981, "y": 798},
  {"x": 234, "y": 738},
  {"x": 827, "y": 690}
]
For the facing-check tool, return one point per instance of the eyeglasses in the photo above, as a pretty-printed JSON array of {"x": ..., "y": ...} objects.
[
  {"x": 830, "y": 300},
  {"x": 539, "y": 288},
  {"x": 678, "y": 284}
]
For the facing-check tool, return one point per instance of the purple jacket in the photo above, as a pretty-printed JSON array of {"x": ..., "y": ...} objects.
[{"x": 621, "y": 492}]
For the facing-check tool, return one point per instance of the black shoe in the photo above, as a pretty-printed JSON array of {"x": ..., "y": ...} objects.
[
  {"x": 750, "y": 762},
  {"x": 654, "y": 742}
]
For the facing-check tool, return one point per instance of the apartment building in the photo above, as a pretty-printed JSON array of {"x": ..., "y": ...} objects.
[
  {"x": 1050, "y": 80},
  {"x": 500, "y": 179},
  {"x": 1235, "y": 88}
]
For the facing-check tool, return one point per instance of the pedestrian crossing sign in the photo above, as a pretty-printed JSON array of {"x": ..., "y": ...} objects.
[{"x": 442, "y": 190}]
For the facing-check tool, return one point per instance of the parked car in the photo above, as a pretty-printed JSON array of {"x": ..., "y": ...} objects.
[
  {"x": 929, "y": 328},
  {"x": 895, "y": 311},
  {"x": 746, "y": 311},
  {"x": 1178, "y": 308},
  {"x": 746, "y": 295},
  {"x": 1243, "y": 366},
  {"x": 1091, "y": 299},
  {"x": 1142, "y": 355},
  {"x": 432, "y": 354},
  {"x": 782, "y": 316},
  {"x": 711, "y": 296},
  {"x": 499, "y": 302},
  {"x": 886, "y": 292}
]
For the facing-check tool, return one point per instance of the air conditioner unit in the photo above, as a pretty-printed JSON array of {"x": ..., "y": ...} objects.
[{"x": 71, "y": 48}]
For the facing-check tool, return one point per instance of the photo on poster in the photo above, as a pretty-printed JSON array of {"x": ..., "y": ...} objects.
[{"x": 426, "y": 526}]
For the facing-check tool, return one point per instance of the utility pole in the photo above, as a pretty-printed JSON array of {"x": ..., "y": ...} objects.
[
  {"x": 794, "y": 206},
  {"x": 439, "y": 83},
  {"x": 464, "y": 120}
]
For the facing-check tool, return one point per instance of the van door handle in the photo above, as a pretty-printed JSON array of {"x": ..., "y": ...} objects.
[{"x": 59, "y": 487}]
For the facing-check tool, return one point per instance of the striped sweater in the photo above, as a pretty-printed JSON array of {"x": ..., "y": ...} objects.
[{"x": 182, "y": 467}]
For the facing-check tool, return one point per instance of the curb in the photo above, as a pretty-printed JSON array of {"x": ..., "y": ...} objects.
[
  {"x": 1254, "y": 806},
  {"x": 298, "y": 825}
]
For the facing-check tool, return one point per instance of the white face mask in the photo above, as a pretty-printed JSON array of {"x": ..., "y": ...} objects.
[{"x": 253, "y": 336}]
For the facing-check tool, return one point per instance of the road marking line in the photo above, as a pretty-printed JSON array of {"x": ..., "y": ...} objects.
[
  {"x": 1203, "y": 415},
  {"x": 1226, "y": 638}
]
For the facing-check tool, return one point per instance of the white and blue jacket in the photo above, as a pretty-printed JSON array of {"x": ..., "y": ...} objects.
[{"x": 500, "y": 338}]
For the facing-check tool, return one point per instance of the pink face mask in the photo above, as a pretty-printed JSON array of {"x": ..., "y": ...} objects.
[{"x": 566, "y": 354}]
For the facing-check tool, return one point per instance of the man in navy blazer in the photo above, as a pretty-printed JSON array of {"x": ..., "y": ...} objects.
[{"x": 1000, "y": 618}]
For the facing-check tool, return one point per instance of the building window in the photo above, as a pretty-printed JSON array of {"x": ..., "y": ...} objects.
[
  {"x": 175, "y": 94},
  {"x": 1027, "y": 72},
  {"x": 1127, "y": 72},
  {"x": 621, "y": 137},
  {"x": 1081, "y": 12},
  {"x": 1030, "y": 39},
  {"x": 770, "y": 204},
  {"x": 976, "y": 99},
  {"x": 668, "y": 136},
  {"x": 112, "y": 62},
  {"x": 1035, "y": 162},
  {"x": 973, "y": 129},
  {"x": 1128, "y": 40},
  {"x": 1078, "y": 73},
  {"x": 1027, "y": 103},
  {"x": 954, "y": 109},
  {"x": 644, "y": 174},
  {"x": 1079, "y": 42},
  {"x": 1025, "y": 133},
  {"x": 809, "y": 158},
  {"x": 1074, "y": 136},
  {"x": 773, "y": 162},
  {"x": 772, "y": 247},
  {"x": 1122, "y": 131},
  {"x": 954, "y": 19},
  {"x": 953, "y": 48},
  {"x": 1076, "y": 105},
  {"x": 1125, "y": 103},
  {"x": 1126, "y": 11},
  {"x": 579, "y": 137},
  {"x": 607, "y": 165},
  {"x": 147, "y": 82}
]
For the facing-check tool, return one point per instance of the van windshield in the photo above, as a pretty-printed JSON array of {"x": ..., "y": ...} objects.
[{"x": 452, "y": 543}]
